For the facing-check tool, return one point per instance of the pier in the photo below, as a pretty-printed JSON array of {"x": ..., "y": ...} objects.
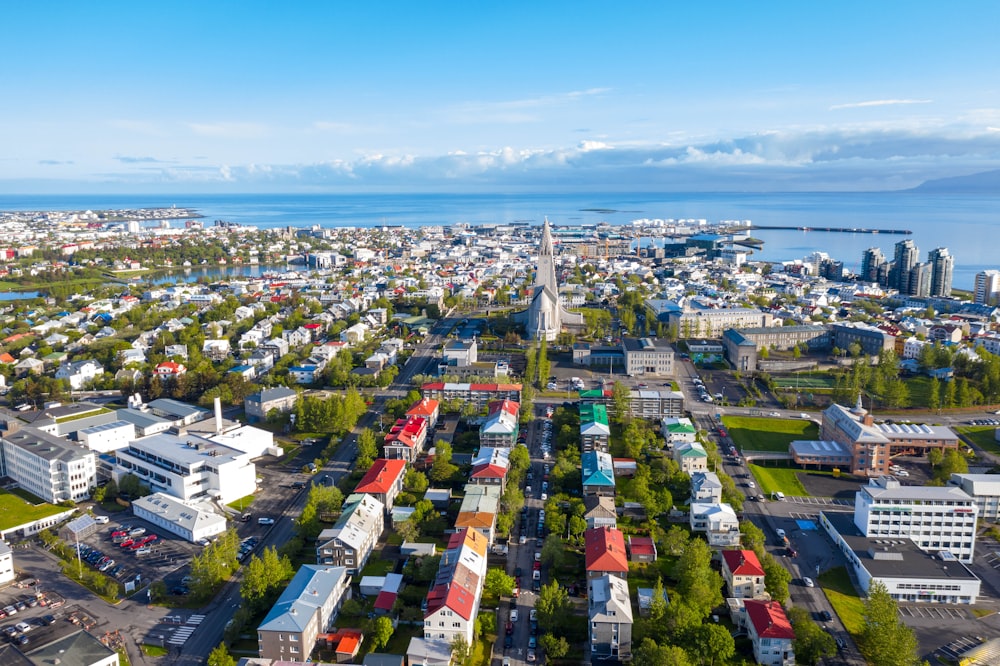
[{"x": 839, "y": 230}]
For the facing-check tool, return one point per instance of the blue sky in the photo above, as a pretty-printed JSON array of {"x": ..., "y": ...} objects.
[{"x": 393, "y": 96}]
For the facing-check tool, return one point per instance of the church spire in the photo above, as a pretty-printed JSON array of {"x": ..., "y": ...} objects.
[{"x": 546, "y": 246}]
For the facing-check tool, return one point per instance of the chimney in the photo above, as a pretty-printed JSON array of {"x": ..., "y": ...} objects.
[
  {"x": 867, "y": 420},
  {"x": 218, "y": 416}
]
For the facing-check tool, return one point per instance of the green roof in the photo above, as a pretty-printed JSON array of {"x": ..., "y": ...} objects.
[
  {"x": 593, "y": 414},
  {"x": 592, "y": 393}
]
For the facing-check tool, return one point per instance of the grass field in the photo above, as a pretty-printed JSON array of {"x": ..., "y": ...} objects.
[
  {"x": 806, "y": 381},
  {"x": 755, "y": 433},
  {"x": 983, "y": 436},
  {"x": 920, "y": 390},
  {"x": 15, "y": 511},
  {"x": 778, "y": 479},
  {"x": 845, "y": 601}
]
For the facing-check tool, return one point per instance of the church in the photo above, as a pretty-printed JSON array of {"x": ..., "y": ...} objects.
[{"x": 545, "y": 318}]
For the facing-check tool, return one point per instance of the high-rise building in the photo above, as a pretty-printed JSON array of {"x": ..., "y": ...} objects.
[
  {"x": 921, "y": 279},
  {"x": 871, "y": 261},
  {"x": 906, "y": 257},
  {"x": 987, "y": 289},
  {"x": 942, "y": 266}
]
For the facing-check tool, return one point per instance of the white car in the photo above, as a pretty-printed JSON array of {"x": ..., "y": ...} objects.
[
  {"x": 545, "y": 496},
  {"x": 751, "y": 484},
  {"x": 538, "y": 556},
  {"x": 513, "y": 615},
  {"x": 533, "y": 615},
  {"x": 808, "y": 582}
]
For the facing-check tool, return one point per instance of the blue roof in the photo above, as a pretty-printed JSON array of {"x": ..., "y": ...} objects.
[{"x": 598, "y": 469}]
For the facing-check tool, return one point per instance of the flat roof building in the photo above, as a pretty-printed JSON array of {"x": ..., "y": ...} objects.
[{"x": 985, "y": 488}]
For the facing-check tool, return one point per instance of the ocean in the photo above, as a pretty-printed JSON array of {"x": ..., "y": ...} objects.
[{"x": 967, "y": 224}]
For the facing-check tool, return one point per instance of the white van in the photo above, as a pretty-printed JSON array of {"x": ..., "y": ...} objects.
[{"x": 778, "y": 496}]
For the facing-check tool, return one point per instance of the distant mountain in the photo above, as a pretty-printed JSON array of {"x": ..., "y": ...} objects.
[{"x": 984, "y": 181}]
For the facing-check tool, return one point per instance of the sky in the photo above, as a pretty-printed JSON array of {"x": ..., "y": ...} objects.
[{"x": 131, "y": 97}]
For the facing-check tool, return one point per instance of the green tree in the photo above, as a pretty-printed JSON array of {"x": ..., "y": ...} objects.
[
  {"x": 697, "y": 583},
  {"x": 460, "y": 650},
  {"x": 621, "y": 402},
  {"x": 415, "y": 481},
  {"x": 553, "y": 607},
  {"x": 442, "y": 469},
  {"x": 714, "y": 643},
  {"x": 884, "y": 639},
  {"x": 752, "y": 537},
  {"x": 934, "y": 394},
  {"x": 553, "y": 549},
  {"x": 382, "y": 631},
  {"x": 649, "y": 653},
  {"x": 367, "y": 449},
  {"x": 776, "y": 578},
  {"x": 219, "y": 656},
  {"x": 555, "y": 648},
  {"x": 498, "y": 583},
  {"x": 811, "y": 642}
]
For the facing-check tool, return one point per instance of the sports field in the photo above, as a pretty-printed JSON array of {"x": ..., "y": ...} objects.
[
  {"x": 754, "y": 433},
  {"x": 805, "y": 381}
]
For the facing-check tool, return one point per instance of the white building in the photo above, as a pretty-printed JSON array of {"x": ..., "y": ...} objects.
[
  {"x": 185, "y": 519},
  {"x": 79, "y": 373},
  {"x": 107, "y": 437},
  {"x": 7, "y": 574},
  {"x": 189, "y": 468},
  {"x": 350, "y": 542},
  {"x": 706, "y": 487},
  {"x": 908, "y": 573},
  {"x": 610, "y": 615},
  {"x": 51, "y": 468},
  {"x": 691, "y": 457},
  {"x": 935, "y": 518},
  {"x": 718, "y": 522},
  {"x": 985, "y": 488}
]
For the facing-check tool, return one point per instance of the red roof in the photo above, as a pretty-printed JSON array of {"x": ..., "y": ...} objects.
[
  {"x": 641, "y": 546},
  {"x": 508, "y": 406},
  {"x": 742, "y": 562},
  {"x": 769, "y": 619},
  {"x": 606, "y": 550},
  {"x": 453, "y": 596},
  {"x": 433, "y": 386},
  {"x": 381, "y": 477},
  {"x": 488, "y": 472},
  {"x": 425, "y": 407},
  {"x": 385, "y": 600}
]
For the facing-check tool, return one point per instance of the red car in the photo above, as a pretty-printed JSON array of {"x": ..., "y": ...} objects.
[
  {"x": 126, "y": 543},
  {"x": 119, "y": 533},
  {"x": 538, "y": 566},
  {"x": 150, "y": 539},
  {"x": 510, "y": 628}
]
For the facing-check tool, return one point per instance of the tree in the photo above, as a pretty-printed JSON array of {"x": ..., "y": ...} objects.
[
  {"x": 553, "y": 549},
  {"x": 441, "y": 469},
  {"x": 415, "y": 481},
  {"x": 697, "y": 583},
  {"x": 367, "y": 449},
  {"x": 675, "y": 540},
  {"x": 555, "y": 648},
  {"x": 460, "y": 651},
  {"x": 219, "y": 656},
  {"x": 884, "y": 640},
  {"x": 621, "y": 402},
  {"x": 811, "y": 642},
  {"x": 552, "y": 606},
  {"x": 382, "y": 630},
  {"x": 934, "y": 394},
  {"x": 714, "y": 643},
  {"x": 498, "y": 583},
  {"x": 776, "y": 578},
  {"x": 649, "y": 653},
  {"x": 752, "y": 537}
]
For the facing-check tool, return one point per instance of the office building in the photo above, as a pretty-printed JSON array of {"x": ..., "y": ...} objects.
[
  {"x": 935, "y": 518},
  {"x": 985, "y": 489},
  {"x": 49, "y": 467}
]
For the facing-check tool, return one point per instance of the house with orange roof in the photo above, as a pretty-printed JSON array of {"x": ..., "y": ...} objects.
[
  {"x": 406, "y": 439},
  {"x": 426, "y": 408},
  {"x": 605, "y": 552},
  {"x": 770, "y": 632},
  {"x": 7, "y": 359},
  {"x": 384, "y": 481},
  {"x": 743, "y": 574},
  {"x": 453, "y": 600},
  {"x": 479, "y": 510},
  {"x": 170, "y": 369}
]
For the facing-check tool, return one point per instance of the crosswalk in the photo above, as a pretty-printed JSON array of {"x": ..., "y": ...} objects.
[{"x": 181, "y": 636}]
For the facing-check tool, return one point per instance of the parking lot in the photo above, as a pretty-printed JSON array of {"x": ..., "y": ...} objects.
[
  {"x": 25, "y": 610},
  {"x": 935, "y": 612},
  {"x": 134, "y": 550}
]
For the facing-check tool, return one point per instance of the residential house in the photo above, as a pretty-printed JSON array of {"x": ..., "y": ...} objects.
[
  {"x": 355, "y": 334},
  {"x": 168, "y": 370},
  {"x": 610, "y": 618},
  {"x": 598, "y": 473},
  {"x": 306, "y": 609},
  {"x": 426, "y": 408},
  {"x": 675, "y": 430},
  {"x": 501, "y": 425},
  {"x": 641, "y": 549},
  {"x": 706, "y": 487},
  {"x": 479, "y": 510},
  {"x": 718, "y": 521},
  {"x": 743, "y": 574},
  {"x": 605, "y": 552},
  {"x": 770, "y": 633},
  {"x": 691, "y": 457},
  {"x": 595, "y": 433},
  {"x": 29, "y": 366},
  {"x": 383, "y": 481},
  {"x": 454, "y": 597},
  {"x": 79, "y": 373},
  {"x": 351, "y": 540},
  {"x": 599, "y": 511},
  {"x": 406, "y": 439},
  {"x": 489, "y": 467}
]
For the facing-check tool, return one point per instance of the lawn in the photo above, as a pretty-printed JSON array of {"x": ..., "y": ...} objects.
[
  {"x": 756, "y": 433},
  {"x": 845, "y": 601},
  {"x": 822, "y": 380},
  {"x": 16, "y": 511},
  {"x": 982, "y": 436},
  {"x": 377, "y": 566},
  {"x": 920, "y": 390},
  {"x": 241, "y": 503},
  {"x": 778, "y": 479}
]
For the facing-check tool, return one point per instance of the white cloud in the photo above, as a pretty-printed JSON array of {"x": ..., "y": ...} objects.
[
  {"x": 879, "y": 102},
  {"x": 229, "y": 130},
  {"x": 517, "y": 111}
]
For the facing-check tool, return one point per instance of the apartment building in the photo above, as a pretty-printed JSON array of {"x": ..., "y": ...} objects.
[
  {"x": 691, "y": 457},
  {"x": 500, "y": 428},
  {"x": 706, "y": 487},
  {"x": 770, "y": 633},
  {"x": 455, "y": 594},
  {"x": 478, "y": 394},
  {"x": 306, "y": 609},
  {"x": 598, "y": 473},
  {"x": 718, "y": 522},
  {"x": 406, "y": 439},
  {"x": 280, "y": 398},
  {"x": 610, "y": 618},
  {"x": 743, "y": 574},
  {"x": 383, "y": 481},
  {"x": 351, "y": 540},
  {"x": 595, "y": 433},
  {"x": 604, "y": 552}
]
